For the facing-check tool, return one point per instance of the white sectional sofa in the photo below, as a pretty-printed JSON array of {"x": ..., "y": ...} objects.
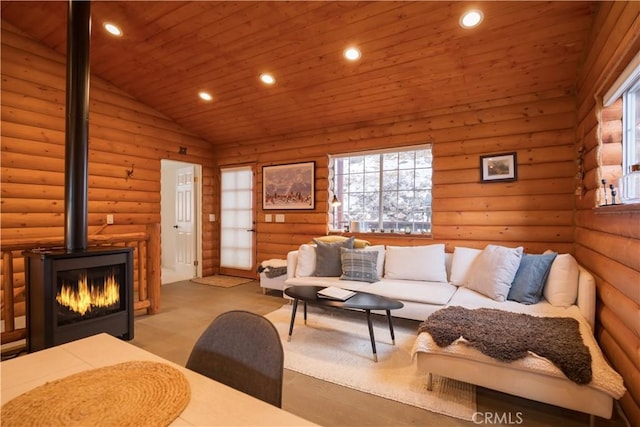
[
  {"x": 426, "y": 279},
  {"x": 420, "y": 297}
]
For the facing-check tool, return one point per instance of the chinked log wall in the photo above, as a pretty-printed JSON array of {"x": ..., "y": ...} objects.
[
  {"x": 122, "y": 133},
  {"x": 608, "y": 238}
]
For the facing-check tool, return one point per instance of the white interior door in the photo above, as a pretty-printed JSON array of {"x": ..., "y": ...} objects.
[
  {"x": 237, "y": 233},
  {"x": 185, "y": 222}
]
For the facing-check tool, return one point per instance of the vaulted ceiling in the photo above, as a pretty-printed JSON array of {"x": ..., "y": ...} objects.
[{"x": 415, "y": 57}]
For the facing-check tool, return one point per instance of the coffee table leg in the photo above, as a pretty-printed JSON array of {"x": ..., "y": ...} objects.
[
  {"x": 305, "y": 312},
  {"x": 373, "y": 340},
  {"x": 293, "y": 317},
  {"x": 393, "y": 336}
]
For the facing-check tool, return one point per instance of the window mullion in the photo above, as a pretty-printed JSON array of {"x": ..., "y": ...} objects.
[{"x": 380, "y": 198}]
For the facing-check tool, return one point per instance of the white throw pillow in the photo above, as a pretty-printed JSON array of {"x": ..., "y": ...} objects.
[
  {"x": 306, "y": 260},
  {"x": 380, "y": 260},
  {"x": 493, "y": 271},
  {"x": 561, "y": 288},
  {"x": 461, "y": 264},
  {"x": 416, "y": 263}
]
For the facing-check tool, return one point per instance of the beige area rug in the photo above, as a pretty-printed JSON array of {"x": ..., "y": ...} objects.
[
  {"x": 334, "y": 346},
  {"x": 136, "y": 393},
  {"x": 221, "y": 281}
]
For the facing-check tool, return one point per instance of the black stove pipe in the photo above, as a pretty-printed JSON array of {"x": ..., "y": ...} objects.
[{"x": 77, "y": 126}]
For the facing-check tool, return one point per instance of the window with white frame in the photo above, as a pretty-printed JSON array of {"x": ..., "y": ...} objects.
[
  {"x": 631, "y": 126},
  {"x": 383, "y": 190},
  {"x": 627, "y": 87}
]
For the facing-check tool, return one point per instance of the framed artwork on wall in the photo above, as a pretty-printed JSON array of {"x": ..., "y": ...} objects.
[
  {"x": 290, "y": 186},
  {"x": 499, "y": 167}
]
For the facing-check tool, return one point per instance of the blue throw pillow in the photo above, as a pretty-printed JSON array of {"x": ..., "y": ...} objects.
[{"x": 530, "y": 278}]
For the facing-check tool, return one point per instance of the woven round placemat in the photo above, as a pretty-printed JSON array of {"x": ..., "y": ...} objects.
[{"x": 138, "y": 393}]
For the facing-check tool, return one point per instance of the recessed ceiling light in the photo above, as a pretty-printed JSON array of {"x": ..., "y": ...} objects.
[
  {"x": 206, "y": 96},
  {"x": 267, "y": 78},
  {"x": 113, "y": 29},
  {"x": 471, "y": 19},
  {"x": 352, "y": 54}
]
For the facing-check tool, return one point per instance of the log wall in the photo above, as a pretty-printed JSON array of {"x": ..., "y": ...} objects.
[
  {"x": 608, "y": 238},
  {"x": 536, "y": 211},
  {"x": 123, "y": 134}
]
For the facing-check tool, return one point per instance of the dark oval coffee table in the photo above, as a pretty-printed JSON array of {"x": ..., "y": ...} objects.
[{"x": 360, "y": 301}]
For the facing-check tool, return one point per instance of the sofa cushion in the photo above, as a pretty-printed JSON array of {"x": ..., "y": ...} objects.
[
  {"x": 461, "y": 264},
  {"x": 352, "y": 285},
  {"x": 416, "y": 263},
  {"x": 328, "y": 257},
  {"x": 306, "y": 261},
  {"x": 359, "y": 265},
  {"x": 530, "y": 278},
  {"x": 493, "y": 271},
  {"x": 380, "y": 249},
  {"x": 435, "y": 293},
  {"x": 561, "y": 288}
]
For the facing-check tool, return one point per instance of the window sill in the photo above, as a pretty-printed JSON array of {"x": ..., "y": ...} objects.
[
  {"x": 368, "y": 234},
  {"x": 617, "y": 209}
]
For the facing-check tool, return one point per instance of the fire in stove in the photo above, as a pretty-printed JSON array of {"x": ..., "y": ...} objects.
[
  {"x": 84, "y": 296},
  {"x": 87, "y": 293}
]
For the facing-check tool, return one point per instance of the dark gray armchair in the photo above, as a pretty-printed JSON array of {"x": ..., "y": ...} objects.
[{"x": 242, "y": 350}]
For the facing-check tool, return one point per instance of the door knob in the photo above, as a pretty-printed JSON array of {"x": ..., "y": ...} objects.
[{"x": 175, "y": 226}]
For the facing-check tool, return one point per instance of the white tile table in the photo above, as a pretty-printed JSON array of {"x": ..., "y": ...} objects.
[{"x": 212, "y": 403}]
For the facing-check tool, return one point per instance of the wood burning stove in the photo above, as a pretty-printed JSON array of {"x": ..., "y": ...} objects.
[
  {"x": 73, "y": 295},
  {"x": 68, "y": 291}
]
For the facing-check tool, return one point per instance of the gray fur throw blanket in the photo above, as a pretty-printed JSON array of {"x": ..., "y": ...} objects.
[{"x": 508, "y": 336}]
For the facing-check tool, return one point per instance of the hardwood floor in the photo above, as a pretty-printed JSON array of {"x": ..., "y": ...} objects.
[{"x": 188, "y": 308}]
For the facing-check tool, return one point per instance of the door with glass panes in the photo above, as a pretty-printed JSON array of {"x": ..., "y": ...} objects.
[{"x": 237, "y": 223}]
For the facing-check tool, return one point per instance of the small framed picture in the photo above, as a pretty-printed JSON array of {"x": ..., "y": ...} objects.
[
  {"x": 499, "y": 167},
  {"x": 290, "y": 186}
]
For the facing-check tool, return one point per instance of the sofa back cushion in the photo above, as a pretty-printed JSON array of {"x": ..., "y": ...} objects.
[
  {"x": 380, "y": 249},
  {"x": 461, "y": 264},
  {"x": 416, "y": 263},
  {"x": 561, "y": 288},
  {"x": 586, "y": 300},
  {"x": 306, "y": 260},
  {"x": 493, "y": 271},
  {"x": 328, "y": 262}
]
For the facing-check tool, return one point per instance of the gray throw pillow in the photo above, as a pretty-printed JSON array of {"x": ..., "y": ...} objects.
[
  {"x": 359, "y": 265},
  {"x": 531, "y": 276},
  {"x": 328, "y": 263}
]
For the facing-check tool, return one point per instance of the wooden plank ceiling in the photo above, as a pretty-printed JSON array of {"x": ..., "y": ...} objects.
[{"x": 416, "y": 58}]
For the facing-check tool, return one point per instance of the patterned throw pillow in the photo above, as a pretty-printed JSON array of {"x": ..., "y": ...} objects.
[{"x": 359, "y": 265}]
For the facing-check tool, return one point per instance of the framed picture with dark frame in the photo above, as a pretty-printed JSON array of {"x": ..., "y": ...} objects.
[
  {"x": 499, "y": 167},
  {"x": 288, "y": 187}
]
